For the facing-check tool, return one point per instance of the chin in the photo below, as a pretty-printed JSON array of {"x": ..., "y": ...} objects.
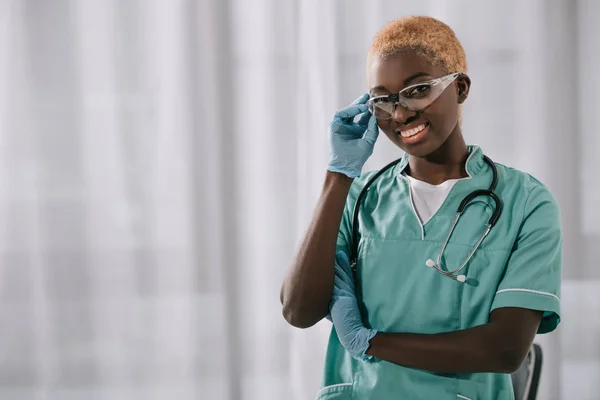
[{"x": 421, "y": 149}]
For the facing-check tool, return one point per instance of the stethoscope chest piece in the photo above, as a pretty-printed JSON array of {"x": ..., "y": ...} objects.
[{"x": 453, "y": 274}]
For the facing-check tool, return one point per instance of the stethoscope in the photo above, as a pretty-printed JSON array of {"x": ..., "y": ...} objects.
[{"x": 453, "y": 274}]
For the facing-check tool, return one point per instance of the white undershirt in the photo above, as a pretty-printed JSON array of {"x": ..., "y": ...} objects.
[{"x": 428, "y": 198}]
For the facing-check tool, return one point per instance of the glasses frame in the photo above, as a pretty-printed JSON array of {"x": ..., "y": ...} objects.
[{"x": 395, "y": 98}]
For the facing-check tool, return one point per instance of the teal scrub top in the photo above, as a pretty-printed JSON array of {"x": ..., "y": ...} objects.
[{"x": 517, "y": 265}]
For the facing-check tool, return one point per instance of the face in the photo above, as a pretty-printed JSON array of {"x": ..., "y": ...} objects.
[{"x": 419, "y": 133}]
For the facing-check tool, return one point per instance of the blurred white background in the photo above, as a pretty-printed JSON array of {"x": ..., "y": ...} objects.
[{"x": 159, "y": 160}]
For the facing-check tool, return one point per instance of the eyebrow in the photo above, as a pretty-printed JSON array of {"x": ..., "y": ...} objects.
[
  {"x": 415, "y": 76},
  {"x": 406, "y": 81}
]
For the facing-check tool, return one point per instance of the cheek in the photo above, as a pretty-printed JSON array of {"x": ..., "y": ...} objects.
[
  {"x": 386, "y": 126},
  {"x": 443, "y": 114}
]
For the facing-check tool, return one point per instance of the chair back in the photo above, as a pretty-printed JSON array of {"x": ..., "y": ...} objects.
[{"x": 527, "y": 378}]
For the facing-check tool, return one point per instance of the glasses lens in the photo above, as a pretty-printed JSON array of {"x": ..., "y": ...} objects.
[
  {"x": 381, "y": 107},
  {"x": 420, "y": 96}
]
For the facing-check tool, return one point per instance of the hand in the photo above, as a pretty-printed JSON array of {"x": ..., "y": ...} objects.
[
  {"x": 344, "y": 311},
  {"x": 351, "y": 143}
]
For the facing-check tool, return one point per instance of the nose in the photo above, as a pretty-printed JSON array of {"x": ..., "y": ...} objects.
[{"x": 401, "y": 114}]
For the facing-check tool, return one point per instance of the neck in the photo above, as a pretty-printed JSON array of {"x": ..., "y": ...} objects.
[{"x": 447, "y": 162}]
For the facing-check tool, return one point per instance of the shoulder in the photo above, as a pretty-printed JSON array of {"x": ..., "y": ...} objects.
[
  {"x": 357, "y": 187},
  {"x": 528, "y": 183},
  {"x": 517, "y": 176},
  {"x": 533, "y": 193},
  {"x": 361, "y": 181},
  {"x": 374, "y": 181}
]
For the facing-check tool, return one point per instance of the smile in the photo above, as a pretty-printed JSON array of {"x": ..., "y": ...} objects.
[{"x": 413, "y": 131}]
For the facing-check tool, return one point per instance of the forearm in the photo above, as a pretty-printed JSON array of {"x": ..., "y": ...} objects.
[
  {"x": 306, "y": 291},
  {"x": 484, "y": 348}
]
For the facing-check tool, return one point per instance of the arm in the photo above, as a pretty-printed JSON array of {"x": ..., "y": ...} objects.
[
  {"x": 527, "y": 301},
  {"x": 498, "y": 346},
  {"x": 307, "y": 289}
]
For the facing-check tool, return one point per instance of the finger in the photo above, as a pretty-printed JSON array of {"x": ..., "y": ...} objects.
[
  {"x": 372, "y": 131},
  {"x": 343, "y": 279},
  {"x": 362, "y": 99},
  {"x": 351, "y": 111},
  {"x": 342, "y": 258},
  {"x": 343, "y": 267},
  {"x": 364, "y": 120},
  {"x": 341, "y": 288}
]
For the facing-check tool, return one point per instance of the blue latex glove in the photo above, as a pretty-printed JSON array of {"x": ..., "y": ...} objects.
[
  {"x": 351, "y": 143},
  {"x": 344, "y": 311}
]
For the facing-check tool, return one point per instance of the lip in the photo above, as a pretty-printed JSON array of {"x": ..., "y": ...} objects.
[{"x": 414, "y": 138}]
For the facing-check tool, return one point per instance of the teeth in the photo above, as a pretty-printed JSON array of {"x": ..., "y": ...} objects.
[{"x": 413, "y": 131}]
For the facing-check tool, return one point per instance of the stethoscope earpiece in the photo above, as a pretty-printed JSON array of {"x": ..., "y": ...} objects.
[{"x": 460, "y": 278}]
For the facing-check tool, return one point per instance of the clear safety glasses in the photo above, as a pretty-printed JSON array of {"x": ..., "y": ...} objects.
[{"x": 416, "y": 97}]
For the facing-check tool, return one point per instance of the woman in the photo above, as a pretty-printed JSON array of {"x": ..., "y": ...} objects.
[{"x": 416, "y": 325}]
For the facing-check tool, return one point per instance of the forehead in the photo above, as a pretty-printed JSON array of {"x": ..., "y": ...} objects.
[{"x": 393, "y": 72}]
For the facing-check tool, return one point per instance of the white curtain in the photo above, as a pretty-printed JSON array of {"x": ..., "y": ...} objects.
[{"x": 159, "y": 161}]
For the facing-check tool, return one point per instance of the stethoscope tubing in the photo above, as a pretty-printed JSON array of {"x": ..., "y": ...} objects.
[{"x": 490, "y": 192}]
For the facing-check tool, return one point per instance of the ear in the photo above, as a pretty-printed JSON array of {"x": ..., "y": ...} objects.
[{"x": 463, "y": 84}]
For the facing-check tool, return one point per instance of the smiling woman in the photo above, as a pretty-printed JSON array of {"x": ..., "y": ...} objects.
[
  {"x": 413, "y": 52},
  {"x": 403, "y": 324}
]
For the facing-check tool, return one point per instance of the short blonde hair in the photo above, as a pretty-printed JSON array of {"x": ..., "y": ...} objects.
[{"x": 426, "y": 36}]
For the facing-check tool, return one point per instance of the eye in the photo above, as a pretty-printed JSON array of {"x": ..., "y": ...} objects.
[
  {"x": 416, "y": 91},
  {"x": 380, "y": 100}
]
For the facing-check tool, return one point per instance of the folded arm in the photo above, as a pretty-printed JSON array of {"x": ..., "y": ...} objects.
[
  {"x": 501, "y": 345},
  {"x": 497, "y": 346}
]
